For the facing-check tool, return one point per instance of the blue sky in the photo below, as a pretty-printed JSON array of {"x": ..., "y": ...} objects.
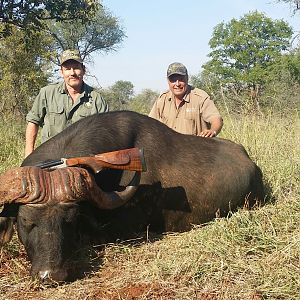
[{"x": 160, "y": 32}]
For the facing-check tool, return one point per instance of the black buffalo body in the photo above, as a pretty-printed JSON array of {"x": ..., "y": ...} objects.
[{"x": 189, "y": 180}]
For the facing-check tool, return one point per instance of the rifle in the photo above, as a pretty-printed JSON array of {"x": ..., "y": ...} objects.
[{"x": 131, "y": 159}]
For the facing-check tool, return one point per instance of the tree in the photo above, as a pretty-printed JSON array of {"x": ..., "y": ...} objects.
[
  {"x": 142, "y": 103},
  {"x": 207, "y": 82},
  {"x": 35, "y": 32},
  {"x": 102, "y": 33},
  {"x": 244, "y": 50},
  {"x": 283, "y": 91},
  {"x": 23, "y": 71},
  {"x": 30, "y": 14},
  {"x": 293, "y": 65},
  {"x": 119, "y": 95},
  {"x": 295, "y": 4}
]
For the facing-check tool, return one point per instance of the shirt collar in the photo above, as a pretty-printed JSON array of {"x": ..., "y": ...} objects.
[
  {"x": 186, "y": 97},
  {"x": 63, "y": 90}
]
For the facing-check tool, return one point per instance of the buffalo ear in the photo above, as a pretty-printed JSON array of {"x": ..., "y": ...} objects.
[{"x": 6, "y": 230}]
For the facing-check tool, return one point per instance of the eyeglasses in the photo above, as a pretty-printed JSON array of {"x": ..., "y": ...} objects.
[{"x": 177, "y": 77}]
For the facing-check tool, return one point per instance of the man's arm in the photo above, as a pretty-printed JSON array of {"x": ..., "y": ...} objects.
[
  {"x": 154, "y": 113},
  {"x": 155, "y": 110},
  {"x": 211, "y": 115},
  {"x": 30, "y": 136},
  {"x": 35, "y": 119},
  {"x": 216, "y": 124},
  {"x": 102, "y": 105}
]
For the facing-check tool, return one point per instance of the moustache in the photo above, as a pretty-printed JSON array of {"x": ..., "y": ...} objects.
[{"x": 76, "y": 77}]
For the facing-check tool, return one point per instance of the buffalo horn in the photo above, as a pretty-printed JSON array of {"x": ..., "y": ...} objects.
[{"x": 32, "y": 185}]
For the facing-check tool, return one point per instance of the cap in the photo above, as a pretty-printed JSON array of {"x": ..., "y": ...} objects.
[
  {"x": 70, "y": 54},
  {"x": 177, "y": 68}
]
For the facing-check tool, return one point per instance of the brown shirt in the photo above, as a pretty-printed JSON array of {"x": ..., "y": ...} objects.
[{"x": 190, "y": 118}]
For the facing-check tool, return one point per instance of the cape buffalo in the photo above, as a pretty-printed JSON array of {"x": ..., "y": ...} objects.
[{"x": 189, "y": 180}]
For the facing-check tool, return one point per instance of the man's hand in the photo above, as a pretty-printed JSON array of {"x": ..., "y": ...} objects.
[
  {"x": 215, "y": 128},
  {"x": 208, "y": 133}
]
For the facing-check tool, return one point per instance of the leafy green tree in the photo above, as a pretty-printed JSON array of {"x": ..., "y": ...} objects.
[
  {"x": 293, "y": 63},
  {"x": 142, "y": 103},
  {"x": 205, "y": 81},
  {"x": 23, "y": 71},
  {"x": 244, "y": 50},
  {"x": 119, "y": 95},
  {"x": 33, "y": 57},
  {"x": 103, "y": 33},
  {"x": 30, "y": 14},
  {"x": 283, "y": 91}
]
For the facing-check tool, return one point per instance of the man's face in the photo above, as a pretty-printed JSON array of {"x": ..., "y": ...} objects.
[
  {"x": 72, "y": 72},
  {"x": 178, "y": 85}
]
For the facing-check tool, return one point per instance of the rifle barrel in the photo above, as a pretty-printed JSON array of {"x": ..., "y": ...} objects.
[{"x": 49, "y": 163}]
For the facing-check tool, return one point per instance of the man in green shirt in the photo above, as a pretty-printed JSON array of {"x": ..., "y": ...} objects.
[{"x": 61, "y": 104}]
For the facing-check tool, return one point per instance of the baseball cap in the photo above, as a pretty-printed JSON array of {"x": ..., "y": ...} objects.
[
  {"x": 177, "y": 68},
  {"x": 70, "y": 54}
]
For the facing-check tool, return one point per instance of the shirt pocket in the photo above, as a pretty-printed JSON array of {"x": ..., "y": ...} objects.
[
  {"x": 56, "y": 115},
  {"x": 191, "y": 113},
  {"x": 190, "y": 121},
  {"x": 55, "y": 121},
  {"x": 86, "y": 109}
]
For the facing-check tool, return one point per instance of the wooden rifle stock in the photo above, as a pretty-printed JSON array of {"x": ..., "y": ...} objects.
[
  {"x": 131, "y": 159},
  {"x": 128, "y": 159}
]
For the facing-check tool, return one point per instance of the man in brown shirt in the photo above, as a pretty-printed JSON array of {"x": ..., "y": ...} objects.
[{"x": 184, "y": 108}]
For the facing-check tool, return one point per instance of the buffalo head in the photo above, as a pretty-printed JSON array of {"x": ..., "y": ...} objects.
[{"x": 51, "y": 216}]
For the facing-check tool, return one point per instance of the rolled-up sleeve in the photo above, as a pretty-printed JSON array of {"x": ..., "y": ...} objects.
[
  {"x": 99, "y": 103},
  {"x": 102, "y": 105},
  {"x": 37, "y": 113},
  {"x": 209, "y": 110},
  {"x": 154, "y": 113}
]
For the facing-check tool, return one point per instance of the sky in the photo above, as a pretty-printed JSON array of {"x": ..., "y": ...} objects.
[{"x": 160, "y": 32}]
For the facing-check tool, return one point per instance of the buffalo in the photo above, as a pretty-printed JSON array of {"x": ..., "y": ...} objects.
[{"x": 189, "y": 180}]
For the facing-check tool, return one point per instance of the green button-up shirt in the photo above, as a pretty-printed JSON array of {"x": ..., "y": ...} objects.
[{"x": 54, "y": 110}]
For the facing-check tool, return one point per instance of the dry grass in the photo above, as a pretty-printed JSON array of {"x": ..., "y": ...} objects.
[{"x": 250, "y": 255}]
